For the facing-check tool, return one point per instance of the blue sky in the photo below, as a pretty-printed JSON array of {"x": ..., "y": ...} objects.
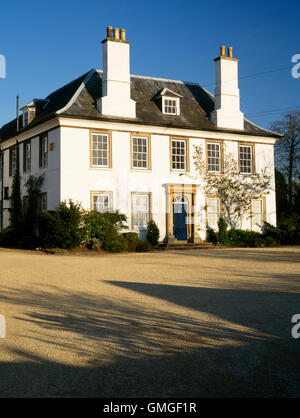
[{"x": 47, "y": 44}]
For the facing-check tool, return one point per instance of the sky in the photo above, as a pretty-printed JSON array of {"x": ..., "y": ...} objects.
[{"x": 47, "y": 44}]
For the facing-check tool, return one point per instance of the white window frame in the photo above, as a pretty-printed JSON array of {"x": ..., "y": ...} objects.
[
  {"x": 165, "y": 105},
  {"x": 209, "y": 211},
  {"x": 185, "y": 155},
  {"x": 255, "y": 225},
  {"x": 251, "y": 159},
  {"x": 44, "y": 201},
  {"x": 139, "y": 214},
  {"x": 137, "y": 152},
  {"x": 209, "y": 156},
  {"x": 44, "y": 151},
  {"x": 107, "y": 151},
  {"x": 27, "y": 156},
  {"x": 102, "y": 195},
  {"x": 13, "y": 162},
  {"x": 25, "y": 118}
]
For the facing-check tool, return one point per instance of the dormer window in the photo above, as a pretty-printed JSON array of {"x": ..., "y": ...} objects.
[
  {"x": 168, "y": 102},
  {"x": 31, "y": 109},
  {"x": 25, "y": 118},
  {"x": 170, "y": 106}
]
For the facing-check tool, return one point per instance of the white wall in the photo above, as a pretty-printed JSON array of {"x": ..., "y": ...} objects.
[{"x": 78, "y": 179}]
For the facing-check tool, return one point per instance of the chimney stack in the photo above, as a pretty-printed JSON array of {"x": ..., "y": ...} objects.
[
  {"x": 116, "y": 100},
  {"x": 227, "y": 112}
]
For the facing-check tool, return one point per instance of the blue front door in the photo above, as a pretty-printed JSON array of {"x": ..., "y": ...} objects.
[{"x": 180, "y": 212}]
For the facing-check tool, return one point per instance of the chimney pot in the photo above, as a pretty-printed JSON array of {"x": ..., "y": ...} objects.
[
  {"x": 230, "y": 52},
  {"x": 109, "y": 31},
  {"x": 122, "y": 33},
  {"x": 116, "y": 33},
  {"x": 222, "y": 48}
]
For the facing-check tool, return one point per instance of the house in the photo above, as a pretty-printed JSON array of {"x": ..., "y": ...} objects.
[{"x": 113, "y": 140}]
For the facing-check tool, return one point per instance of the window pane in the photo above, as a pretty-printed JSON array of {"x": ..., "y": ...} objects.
[
  {"x": 246, "y": 159},
  {"x": 178, "y": 155},
  {"x": 100, "y": 150},
  {"x": 140, "y": 207},
  {"x": 101, "y": 202},
  {"x": 44, "y": 151},
  {"x": 139, "y": 152},
  {"x": 27, "y": 159},
  {"x": 257, "y": 212},
  {"x": 213, "y": 157},
  {"x": 213, "y": 212},
  {"x": 170, "y": 106}
]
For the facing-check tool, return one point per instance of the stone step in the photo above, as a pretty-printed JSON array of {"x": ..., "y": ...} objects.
[{"x": 187, "y": 246}]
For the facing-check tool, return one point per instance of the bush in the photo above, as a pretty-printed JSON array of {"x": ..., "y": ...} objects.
[
  {"x": 131, "y": 246},
  {"x": 152, "y": 233},
  {"x": 277, "y": 234},
  {"x": 287, "y": 232},
  {"x": 245, "y": 238},
  {"x": 118, "y": 245},
  {"x": 8, "y": 237},
  {"x": 94, "y": 244},
  {"x": 63, "y": 228},
  {"x": 211, "y": 236},
  {"x": 105, "y": 227},
  {"x": 143, "y": 246},
  {"x": 222, "y": 234},
  {"x": 131, "y": 236}
]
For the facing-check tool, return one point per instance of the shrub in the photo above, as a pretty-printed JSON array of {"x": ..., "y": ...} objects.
[
  {"x": 105, "y": 227},
  {"x": 94, "y": 244},
  {"x": 131, "y": 245},
  {"x": 245, "y": 238},
  {"x": 211, "y": 236},
  {"x": 152, "y": 233},
  {"x": 277, "y": 234},
  {"x": 8, "y": 237},
  {"x": 287, "y": 232},
  {"x": 63, "y": 228},
  {"x": 222, "y": 234},
  {"x": 131, "y": 236},
  {"x": 143, "y": 246},
  {"x": 118, "y": 245}
]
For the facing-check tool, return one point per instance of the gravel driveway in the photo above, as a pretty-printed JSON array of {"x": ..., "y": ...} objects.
[{"x": 166, "y": 324}]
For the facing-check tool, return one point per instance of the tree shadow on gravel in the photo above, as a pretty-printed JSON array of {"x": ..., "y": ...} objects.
[{"x": 139, "y": 350}]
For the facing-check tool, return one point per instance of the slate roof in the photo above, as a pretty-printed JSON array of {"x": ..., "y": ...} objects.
[{"x": 78, "y": 99}]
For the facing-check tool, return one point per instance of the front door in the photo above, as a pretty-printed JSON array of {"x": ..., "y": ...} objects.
[{"x": 180, "y": 212}]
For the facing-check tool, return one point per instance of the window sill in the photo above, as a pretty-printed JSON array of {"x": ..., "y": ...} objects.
[
  {"x": 179, "y": 172},
  {"x": 100, "y": 168},
  {"x": 141, "y": 170}
]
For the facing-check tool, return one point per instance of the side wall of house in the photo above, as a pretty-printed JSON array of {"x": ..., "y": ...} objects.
[{"x": 51, "y": 172}]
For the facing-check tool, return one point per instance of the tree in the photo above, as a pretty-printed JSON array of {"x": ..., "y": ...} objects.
[
  {"x": 287, "y": 149},
  {"x": 33, "y": 186},
  {"x": 281, "y": 195},
  {"x": 152, "y": 232},
  {"x": 233, "y": 188},
  {"x": 16, "y": 210}
]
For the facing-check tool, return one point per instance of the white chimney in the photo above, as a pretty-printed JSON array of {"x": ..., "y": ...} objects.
[
  {"x": 227, "y": 112},
  {"x": 116, "y": 99}
]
